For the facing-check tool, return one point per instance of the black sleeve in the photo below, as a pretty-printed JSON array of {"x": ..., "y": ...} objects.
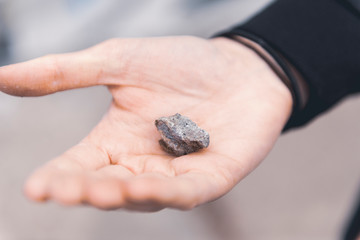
[{"x": 321, "y": 39}]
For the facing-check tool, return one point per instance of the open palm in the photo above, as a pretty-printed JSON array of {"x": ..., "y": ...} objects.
[{"x": 221, "y": 85}]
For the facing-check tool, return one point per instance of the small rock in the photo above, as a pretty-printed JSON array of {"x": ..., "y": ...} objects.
[{"x": 180, "y": 135}]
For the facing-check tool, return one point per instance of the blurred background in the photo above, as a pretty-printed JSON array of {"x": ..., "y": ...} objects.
[{"x": 305, "y": 189}]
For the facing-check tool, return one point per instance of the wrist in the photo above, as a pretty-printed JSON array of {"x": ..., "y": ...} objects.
[
  {"x": 265, "y": 83},
  {"x": 291, "y": 78}
]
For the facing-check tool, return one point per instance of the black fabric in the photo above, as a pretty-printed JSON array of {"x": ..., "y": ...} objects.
[
  {"x": 321, "y": 39},
  {"x": 355, "y": 4},
  {"x": 353, "y": 229}
]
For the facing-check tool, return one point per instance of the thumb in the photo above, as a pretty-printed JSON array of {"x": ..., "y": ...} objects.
[{"x": 53, "y": 73}]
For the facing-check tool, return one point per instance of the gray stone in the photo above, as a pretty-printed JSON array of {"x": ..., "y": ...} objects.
[{"x": 180, "y": 135}]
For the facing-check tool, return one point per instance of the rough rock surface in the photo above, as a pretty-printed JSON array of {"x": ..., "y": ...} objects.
[{"x": 180, "y": 135}]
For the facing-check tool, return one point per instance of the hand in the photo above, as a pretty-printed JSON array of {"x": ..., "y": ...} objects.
[{"x": 220, "y": 84}]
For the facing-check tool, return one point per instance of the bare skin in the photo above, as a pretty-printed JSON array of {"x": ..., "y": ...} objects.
[{"x": 220, "y": 84}]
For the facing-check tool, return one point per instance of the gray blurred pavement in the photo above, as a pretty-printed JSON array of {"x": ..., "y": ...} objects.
[{"x": 305, "y": 188}]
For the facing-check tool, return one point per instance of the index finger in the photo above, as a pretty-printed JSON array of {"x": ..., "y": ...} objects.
[{"x": 50, "y": 74}]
